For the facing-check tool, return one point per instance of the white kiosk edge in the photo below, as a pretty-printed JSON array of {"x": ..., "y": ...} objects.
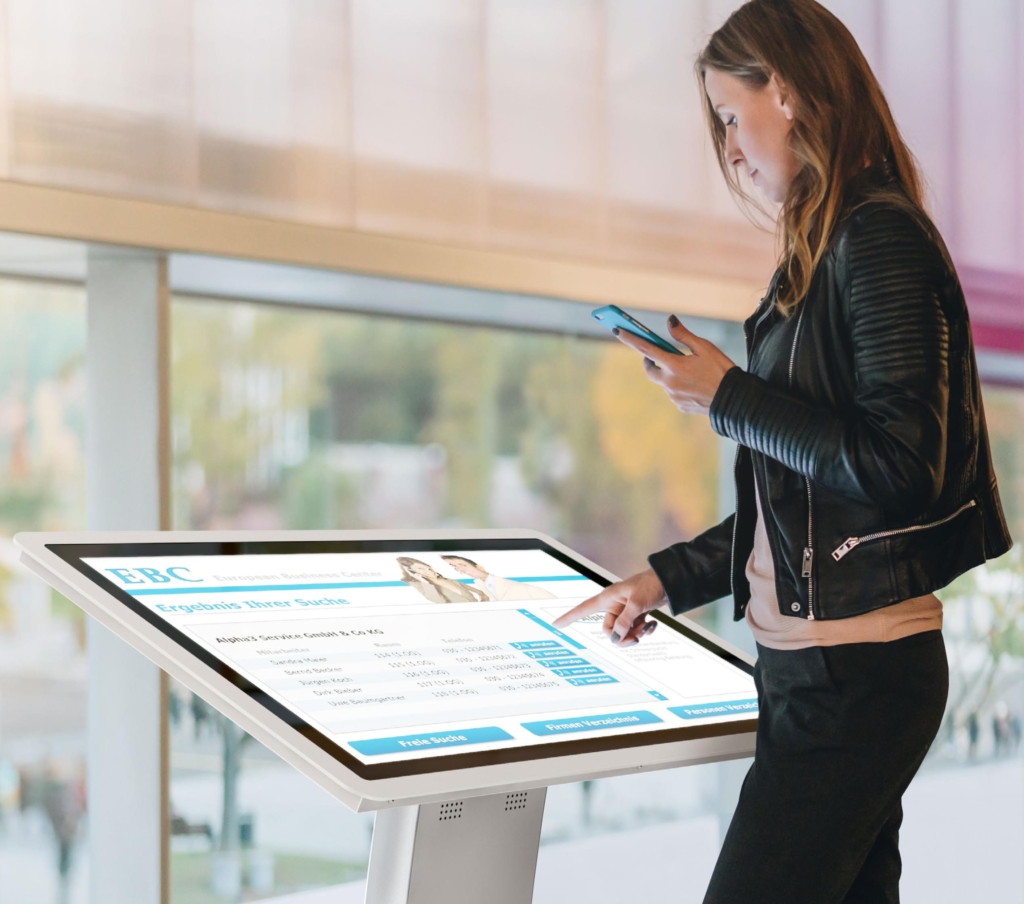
[{"x": 465, "y": 836}]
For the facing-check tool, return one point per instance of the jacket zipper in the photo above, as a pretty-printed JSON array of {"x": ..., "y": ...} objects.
[
  {"x": 735, "y": 523},
  {"x": 807, "y": 568},
  {"x": 808, "y": 562},
  {"x": 736, "y": 459},
  {"x": 853, "y": 542}
]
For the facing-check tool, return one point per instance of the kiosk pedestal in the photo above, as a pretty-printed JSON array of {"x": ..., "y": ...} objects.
[
  {"x": 459, "y": 852},
  {"x": 493, "y": 693}
]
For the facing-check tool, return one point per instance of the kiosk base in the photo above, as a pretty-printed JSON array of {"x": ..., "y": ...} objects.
[{"x": 481, "y": 849}]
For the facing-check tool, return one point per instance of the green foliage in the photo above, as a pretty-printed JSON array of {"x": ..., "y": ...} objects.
[
  {"x": 619, "y": 467},
  {"x": 42, "y": 355},
  {"x": 599, "y": 508},
  {"x": 381, "y": 378},
  {"x": 235, "y": 368},
  {"x": 24, "y": 507},
  {"x": 1004, "y": 413},
  {"x": 61, "y": 607},
  {"x": 998, "y": 588},
  {"x": 317, "y": 497},
  {"x": 465, "y": 421}
]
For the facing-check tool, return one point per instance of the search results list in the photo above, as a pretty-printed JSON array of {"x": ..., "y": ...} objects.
[
  {"x": 381, "y": 673},
  {"x": 407, "y": 656}
]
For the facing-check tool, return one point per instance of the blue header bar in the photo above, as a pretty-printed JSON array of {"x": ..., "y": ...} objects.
[{"x": 344, "y": 585}]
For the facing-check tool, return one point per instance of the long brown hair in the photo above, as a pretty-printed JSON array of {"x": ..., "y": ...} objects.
[
  {"x": 842, "y": 123},
  {"x": 405, "y": 564}
]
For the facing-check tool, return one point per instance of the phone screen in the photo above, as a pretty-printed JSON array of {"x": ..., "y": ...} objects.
[{"x": 614, "y": 318}]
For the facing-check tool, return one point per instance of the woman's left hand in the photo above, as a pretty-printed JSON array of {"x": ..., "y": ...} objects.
[{"x": 690, "y": 381}]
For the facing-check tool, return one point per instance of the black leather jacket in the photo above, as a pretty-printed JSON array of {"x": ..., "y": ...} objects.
[{"x": 860, "y": 419}]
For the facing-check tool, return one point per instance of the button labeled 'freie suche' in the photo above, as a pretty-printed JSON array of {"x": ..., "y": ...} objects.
[{"x": 437, "y": 740}]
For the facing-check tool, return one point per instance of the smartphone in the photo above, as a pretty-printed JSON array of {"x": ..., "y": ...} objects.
[{"x": 614, "y": 318}]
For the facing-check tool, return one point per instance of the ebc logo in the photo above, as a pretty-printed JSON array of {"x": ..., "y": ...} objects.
[{"x": 154, "y": 575}]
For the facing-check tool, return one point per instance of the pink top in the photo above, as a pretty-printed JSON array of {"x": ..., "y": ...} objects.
[{"x": 781, "y": 632}]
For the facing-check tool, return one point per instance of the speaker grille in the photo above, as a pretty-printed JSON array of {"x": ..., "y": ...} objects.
[
  {"x": 515, "y": 801},
  {"x": 450, "y": 810}
]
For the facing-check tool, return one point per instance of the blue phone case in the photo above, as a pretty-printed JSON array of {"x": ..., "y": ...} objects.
[{"x": 614, "y": 318}]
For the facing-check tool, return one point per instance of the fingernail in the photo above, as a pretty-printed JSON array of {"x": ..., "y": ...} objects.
[
  {"x": 630, "y": 643},
  {"x": 673, "y": 320},
  {"x": 615, "y": 332},
  {"x": 615, "y": 637},
  {"x": 650, "y": 626}
]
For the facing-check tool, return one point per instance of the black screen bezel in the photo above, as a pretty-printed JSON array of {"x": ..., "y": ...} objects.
[{"x": 74, "y": 554}]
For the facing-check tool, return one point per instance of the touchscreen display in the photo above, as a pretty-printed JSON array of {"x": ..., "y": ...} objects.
[{"x": 402, "y": 656}]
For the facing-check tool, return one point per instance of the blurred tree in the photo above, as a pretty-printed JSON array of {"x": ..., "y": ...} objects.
[
  {"x": 317, "y": 497},
  {"x": 238, "y": 371},
  {"x": 24, "y": 505},
  {"x": 381, "y": 378},
  {"x": 42, "y": 344},
  {"x": 621, "y": 468},
  {"x": 234, "y": 741},
  {"x": 601, "y": 513},
  {"x": 626, "y": 471},
  {"x": 62, "y": 607},
  {"x": 644, "y": 436},
  {"x": 1004, "y": 412},
  {"x": 468, "y": 366},
  {"x": 998, "y": 589}
]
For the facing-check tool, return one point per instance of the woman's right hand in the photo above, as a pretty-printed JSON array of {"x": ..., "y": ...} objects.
[{"x": 626, "y": 605}]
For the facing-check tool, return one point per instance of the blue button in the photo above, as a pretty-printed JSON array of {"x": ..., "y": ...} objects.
[
  {"x": 657, "y": 695},
  {"x": 563, "y": 663},
  {"x": 439, "y": 740},
  {"x": 547, "y": 626},
  {"x": 536, "y": 645},
  {"x": 591, "y": 723},
  {"x": 583, "y": 670},
  {"x": 710, "y": 710},
  {"x": 592, "y": 679},
  {"x": 555, "y": 650}
]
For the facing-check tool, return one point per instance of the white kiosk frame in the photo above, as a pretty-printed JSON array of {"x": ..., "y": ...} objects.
[{"x": 458, "y": 836}]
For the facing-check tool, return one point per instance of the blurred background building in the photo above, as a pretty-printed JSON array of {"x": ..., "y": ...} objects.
[{"x": 380, "y": 226}]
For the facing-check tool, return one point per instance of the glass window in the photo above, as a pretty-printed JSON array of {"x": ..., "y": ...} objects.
[
  {"x": 300, "y": 419},
  {"x": 307, "y": 420},
  {"x": 304, "y": 419},
  {"x": 42, "y": 636},
  {"x": 965, "y": 810}
]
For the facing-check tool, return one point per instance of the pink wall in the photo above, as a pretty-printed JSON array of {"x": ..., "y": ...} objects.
[{"x": 954, "y": 74}]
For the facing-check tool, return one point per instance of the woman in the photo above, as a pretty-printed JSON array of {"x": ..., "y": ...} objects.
[
  {"x": 436, "y": 587},
  {"x": 863, "y": 480}
]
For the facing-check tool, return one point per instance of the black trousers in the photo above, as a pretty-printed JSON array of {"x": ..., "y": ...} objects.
[{"x": 841, "y": 732}]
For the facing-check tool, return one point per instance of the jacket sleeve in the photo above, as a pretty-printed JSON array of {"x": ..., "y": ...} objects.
[
  {"x": 889, "y": 447},
  {"x": 697, "y": 571}
]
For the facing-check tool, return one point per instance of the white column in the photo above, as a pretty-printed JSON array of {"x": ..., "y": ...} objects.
[{"x": 126, "y": 484}]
